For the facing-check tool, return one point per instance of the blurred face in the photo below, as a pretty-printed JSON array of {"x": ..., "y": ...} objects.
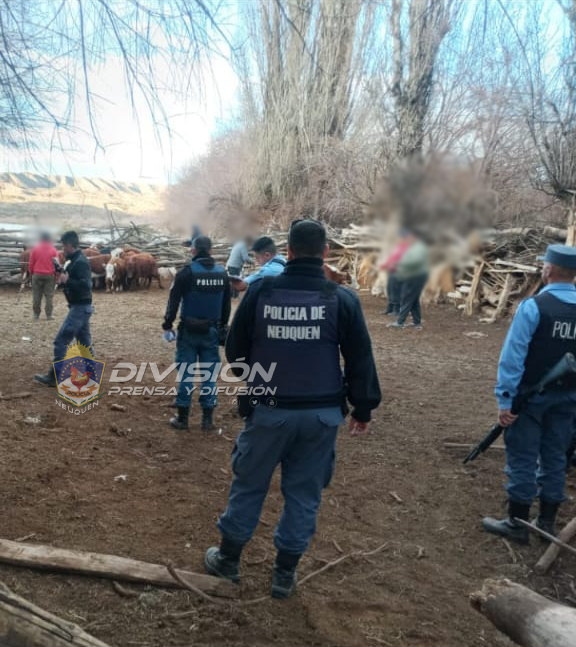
[
  {"x": 546, "y": 272},
  {"x": 68, "y": 249},
  {"x": 263, "y": 257}
]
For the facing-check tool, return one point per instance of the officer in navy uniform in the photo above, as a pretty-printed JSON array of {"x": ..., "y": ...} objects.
[
  {"x": 302, "y": 322},
  {"x": 537, "y": 440},
  {"x": 203, "y": 289}
]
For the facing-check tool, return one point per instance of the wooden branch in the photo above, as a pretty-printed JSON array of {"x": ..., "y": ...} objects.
[
  {"x": 503, "y": 299},
  {"x": 15, "y": 396},
  {"x": 23, "y": 624},
  {"x": 471, "y": 301},
  {"x": 518, "y": 266},
  {"x": 547, "y": 535},
  {"x": 526, "y": 617},
  {"x": 107, "y": 566},
  {"x": 552, "y": 552},
  {"x": 186, "y": 585}
]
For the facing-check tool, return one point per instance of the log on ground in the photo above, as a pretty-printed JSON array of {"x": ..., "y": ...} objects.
[
  {"x": 23, "y": 624},
  {"x": 107, "y": 566},
  {"x": 526, "y": 617},
  {"x": 553, "y": 550}
]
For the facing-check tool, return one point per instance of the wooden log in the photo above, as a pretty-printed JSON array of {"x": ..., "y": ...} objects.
[
  {"x": 526, "y": 617},
  {"x": 503, "y": 298},
  {"x": 23, "y": 624},
  {"x": 552, "y": 552},
  {"x": 107, "y": 566},
  {"x": 472, "y": 300}
]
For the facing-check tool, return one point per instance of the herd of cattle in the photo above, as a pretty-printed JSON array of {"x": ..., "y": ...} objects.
[
  {"x": 123, "y": 268},
  {"x": 128, "y": 268}
]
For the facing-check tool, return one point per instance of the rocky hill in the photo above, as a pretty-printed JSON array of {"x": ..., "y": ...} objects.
[{"x": 54, "y": 199}]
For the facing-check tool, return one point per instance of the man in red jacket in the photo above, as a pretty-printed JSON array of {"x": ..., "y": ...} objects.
[{"x": 43, "y": 272}]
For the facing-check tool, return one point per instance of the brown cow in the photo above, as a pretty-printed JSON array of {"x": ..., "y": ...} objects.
[
  {"x": 97, "y": 262},
  {"x": 140, "y": 270},
  {"x": 24, "y": 262},
  {"x": 116, "y": 275}
]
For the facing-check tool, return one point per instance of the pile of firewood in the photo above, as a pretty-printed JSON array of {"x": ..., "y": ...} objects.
[{"x": 502, "y": 271}]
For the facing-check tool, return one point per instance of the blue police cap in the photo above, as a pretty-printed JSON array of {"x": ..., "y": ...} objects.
[{"x": 561, "y": 255}]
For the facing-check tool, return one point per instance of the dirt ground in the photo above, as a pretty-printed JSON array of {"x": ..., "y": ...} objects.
[{"x": 400, "y": 486}]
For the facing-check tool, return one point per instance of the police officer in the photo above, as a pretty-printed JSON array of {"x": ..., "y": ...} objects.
[
  {"x": 301, "y": 322},
  {"x": 537, "y": 440},
  {"x": 203, "y": 290},
  {"x": 271, "y": 263},
  {"x": 76, "y": 280}
]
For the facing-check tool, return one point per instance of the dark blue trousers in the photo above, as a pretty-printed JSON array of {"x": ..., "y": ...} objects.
[
  {"x": 302, "y": 442},
  {"x": 393, "y": 292},
  {"x": 536, "y": 448},
  {"x": 410, "y": 293},
  {"x": 75, "y": 326},
  {"x": 197, "y": 347}
]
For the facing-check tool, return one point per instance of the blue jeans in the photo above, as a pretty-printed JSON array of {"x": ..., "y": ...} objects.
[
  {"x": 303, "y": 442},
  {"x": 75, "y": 326},
  {"x": 410, "y": 293},
  {"x": 393, "y": 292},
  {"x": 536, "y": 448},
  {"x": 191, "y": 348}
]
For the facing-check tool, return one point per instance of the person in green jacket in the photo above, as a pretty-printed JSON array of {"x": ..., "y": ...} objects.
[{"x": 412, "y": 273}]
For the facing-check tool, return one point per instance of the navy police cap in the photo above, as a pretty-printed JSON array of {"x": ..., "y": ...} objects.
[{"x": 561, "y": 255}]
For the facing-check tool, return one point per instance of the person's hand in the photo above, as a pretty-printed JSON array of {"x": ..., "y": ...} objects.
[
  {"x": 169, "y": 335},
  {"x": 506, "y": 417},
  {"x": 63, "y": 278},
  {"x": 358, "y": 428}
]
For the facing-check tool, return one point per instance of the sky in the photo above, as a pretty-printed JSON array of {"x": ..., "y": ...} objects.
[{"x": 131, "y": 150}]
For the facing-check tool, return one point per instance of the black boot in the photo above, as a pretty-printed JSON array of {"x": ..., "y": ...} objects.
[
  {"x": 180, "y": 420},
  {"x": 207, "y": 424},
  {"x": 508, "y": 528},
  {"x": 547, "y": 517},
  {"x": 47, "y": 379},
  {"x": 284, "y": 574},
  {"x": 224, "y": 562}
]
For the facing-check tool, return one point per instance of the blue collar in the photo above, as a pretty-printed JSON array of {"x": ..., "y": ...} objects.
[{"x": 558, "y": 286}]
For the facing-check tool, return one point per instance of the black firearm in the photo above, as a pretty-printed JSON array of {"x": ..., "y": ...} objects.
[{"x": 565, "y": 366}]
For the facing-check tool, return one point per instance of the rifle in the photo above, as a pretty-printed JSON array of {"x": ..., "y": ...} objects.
[{"x": 566, "y": 366}]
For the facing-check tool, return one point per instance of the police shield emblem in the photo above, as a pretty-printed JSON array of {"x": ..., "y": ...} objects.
[{"x": 78, "y": 376}]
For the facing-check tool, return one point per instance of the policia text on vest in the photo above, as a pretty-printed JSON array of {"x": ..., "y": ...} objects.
[{"x": 274, "y": 314}]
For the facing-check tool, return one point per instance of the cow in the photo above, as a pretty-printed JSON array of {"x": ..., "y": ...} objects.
[
  {"x": 115, "y": 275},
  {"x": 140, "y": 270},
  {"x": 24, "y": 262},
  {"x": 167, "y": 273},
  {"x": 97, "y": 260},
  {"x": 128, "y": 251}
]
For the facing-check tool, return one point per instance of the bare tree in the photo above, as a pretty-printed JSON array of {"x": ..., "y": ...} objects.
[{"x": 50, "y": 51}]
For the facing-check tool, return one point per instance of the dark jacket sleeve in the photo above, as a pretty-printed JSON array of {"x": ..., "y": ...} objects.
[
  {"x": 79, "y": 281},
  {"x": 226, "y": 303},
  {"x": 239, "y": 339},
  {"x": 174, "y": 298},
  {"x": 360, "y": 376}
]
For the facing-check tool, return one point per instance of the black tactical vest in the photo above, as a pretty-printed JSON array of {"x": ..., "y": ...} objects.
[
  {"x": 554, "y": 336},
  {"x": 205, "y": 292},
  {"x": 298, "y": 329}
]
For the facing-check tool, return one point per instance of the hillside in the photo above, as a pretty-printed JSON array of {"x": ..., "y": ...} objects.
[{"x": 56, "y": 199}]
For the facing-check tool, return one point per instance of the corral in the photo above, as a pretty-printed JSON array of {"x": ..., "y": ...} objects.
[{"x": 124, "y": 483}]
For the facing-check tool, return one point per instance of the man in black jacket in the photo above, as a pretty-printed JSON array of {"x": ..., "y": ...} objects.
[
  {"x": 292, "y": 329},
  {"x": 201, "y": 291},
  {"x": 76, "y": 280}
]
